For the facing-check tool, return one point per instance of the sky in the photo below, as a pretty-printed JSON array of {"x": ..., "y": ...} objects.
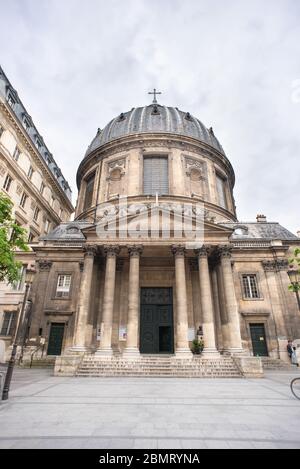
[{"x": 233, "y": 64}]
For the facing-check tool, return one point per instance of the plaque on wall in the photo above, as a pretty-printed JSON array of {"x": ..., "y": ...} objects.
[
  {"x": 122, "y": 333},
  {"x": 191, "y": 334}
]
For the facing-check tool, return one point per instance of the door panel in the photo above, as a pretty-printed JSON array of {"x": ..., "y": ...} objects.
[
  {"x": 259, "y": 343},
  {"x": 156, "y": 324},
  {"x": 56, "y": 338}
]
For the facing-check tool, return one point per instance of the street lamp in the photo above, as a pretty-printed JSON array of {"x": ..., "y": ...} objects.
[
  {"x": 295, "y": 281},
  {"x": 29, "y": 276}
]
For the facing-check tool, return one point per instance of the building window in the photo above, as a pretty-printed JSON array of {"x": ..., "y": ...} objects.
[
  {"x": 42, "y": 188},
  {"x": 9, "y": 324},
  {"x": 23, "y": 200},
  {"x": 31, "y": 237},
  {"x": 30, "y": 172},
  {"x": 7, "y": 183},
  {"x": 38, "y": 144},
  {"x": 1, "y": 131},
  {"x": 19, "y": 284},
  {"x": 250, "y": 288},
  {"x": 63, "y": 286},
  {"x": 36, "y": 214},
  {"x": 61, "y": 213},
  {"x": 11, "y": 101},
  {"x": 16, "y": 154},
  {"x": 156, "y": 175},
  {"x": 89, "y": 191},
  {"x": 26, "y": 123},
  {"x": 47, "y": 226},
  {"x": 221, "y": 190}
]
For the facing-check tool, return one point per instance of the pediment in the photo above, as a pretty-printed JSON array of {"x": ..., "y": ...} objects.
[{"x": 157, "y": 222}]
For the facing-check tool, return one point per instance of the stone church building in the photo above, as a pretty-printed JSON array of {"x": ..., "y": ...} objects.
[{"x": 123, "y": 286}]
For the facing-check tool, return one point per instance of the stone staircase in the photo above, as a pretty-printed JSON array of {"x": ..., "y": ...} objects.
[
  {"x": 275, "y": 364},
  {"x": 159, "y": 366}
]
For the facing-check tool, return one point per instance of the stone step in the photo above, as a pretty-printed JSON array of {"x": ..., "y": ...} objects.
[
  {"x": 159, "y": 367},
  {"x": 275, "y": 364}
]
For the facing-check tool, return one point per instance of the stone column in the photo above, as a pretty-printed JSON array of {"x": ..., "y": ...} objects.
[
  {"x": 215, "y": 292},
  {"x": 131, "y": 349},
  {"x": 105, "y": 348},
  {"x": 182, "y": 344},
  {"x": 207, "y": 307},
  {"x": 84, "y": 299},
  {"x": 223, "y": 312},
  {"x": 235, "y": 341}
]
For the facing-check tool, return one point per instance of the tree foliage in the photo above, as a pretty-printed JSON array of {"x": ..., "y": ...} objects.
[
  {"x": 12, "y": 238},
  {"x": 295, "y": 263}
]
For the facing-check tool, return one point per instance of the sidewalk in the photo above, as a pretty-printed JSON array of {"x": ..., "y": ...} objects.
[{"x": 49, "y": 412}]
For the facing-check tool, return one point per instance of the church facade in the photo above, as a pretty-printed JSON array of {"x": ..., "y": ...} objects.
[{"x": 156, "y": 257}]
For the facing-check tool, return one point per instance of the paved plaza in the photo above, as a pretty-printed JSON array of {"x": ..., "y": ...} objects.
[{"x": 150, "y": 413}]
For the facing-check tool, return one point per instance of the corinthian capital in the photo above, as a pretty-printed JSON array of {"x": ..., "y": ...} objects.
[
  {"x": 269, "y": 266},
  {"x": 282, "y": 264},
  {"x": 178, "y": 250},
  {"x": 111, "y": 251},
  {"x": 90, "y": 250},
  {"x": 202, "y": 252},
  {"x": 44, "y": 265},
  {"x": 225, "y": 251},
  {"x": 135, "y": 250}
]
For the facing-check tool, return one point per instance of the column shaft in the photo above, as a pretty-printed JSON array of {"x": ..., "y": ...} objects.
[
  {"x": 206, "y": 304},
  {"x": 131, "y": 348},
  {"x": 108, "y": 301},
  {"x": 84, "y": 300},
  {"x": 182, "y": 344}
]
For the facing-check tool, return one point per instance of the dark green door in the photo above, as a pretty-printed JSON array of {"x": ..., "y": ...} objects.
[
  {"x": 56, "y": 338},
  {"x": 258, "y": 337},
  {"x": 156, "y": 325}
]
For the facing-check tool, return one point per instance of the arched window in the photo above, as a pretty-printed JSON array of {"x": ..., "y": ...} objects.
[{"x": 89, "y": 191}]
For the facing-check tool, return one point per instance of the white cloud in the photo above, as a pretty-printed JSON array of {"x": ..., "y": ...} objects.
[{"x": 232, "y": 64}]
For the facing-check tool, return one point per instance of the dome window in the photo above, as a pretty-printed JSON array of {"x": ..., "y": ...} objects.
[
  {"x": 155, "y": 111},
  {"x": 121, "y": 117},
  {"x": 188, "y": 117},
  {"x": 240, "y": 231}
]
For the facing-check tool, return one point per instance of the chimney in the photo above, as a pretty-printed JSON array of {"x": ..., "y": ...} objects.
[
  {"x": 298, "y": 234},
  {"x": 261, "y": 219}
]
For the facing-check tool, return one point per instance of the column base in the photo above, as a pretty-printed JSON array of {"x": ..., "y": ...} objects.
[
  {"x": 184, "y": 353},
  {"x": 235, "y": 351},
  {"x": 104, "y": 352},
  {"x": 131, "y": 352},
  {"x": 210, "y": 353},
  {"x": 76, "y": 349}
]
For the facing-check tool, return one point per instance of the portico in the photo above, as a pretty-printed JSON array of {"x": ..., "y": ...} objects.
[{"x": 155, "y": 309}]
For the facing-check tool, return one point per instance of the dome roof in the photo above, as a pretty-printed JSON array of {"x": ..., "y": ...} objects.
[{"x": 155, "y": 119}]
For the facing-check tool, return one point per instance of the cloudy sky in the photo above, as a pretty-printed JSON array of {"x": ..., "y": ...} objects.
[{"x": 234, "y": 64}]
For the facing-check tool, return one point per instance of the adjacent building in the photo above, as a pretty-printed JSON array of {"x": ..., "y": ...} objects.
[{"x": 30, "y": 176}]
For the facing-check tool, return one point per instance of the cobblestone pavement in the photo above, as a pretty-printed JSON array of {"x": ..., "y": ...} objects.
[{"x": 48, "y": 412}]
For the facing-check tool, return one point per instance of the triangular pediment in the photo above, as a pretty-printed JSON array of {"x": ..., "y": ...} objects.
[{"x": 156, "y": 223}]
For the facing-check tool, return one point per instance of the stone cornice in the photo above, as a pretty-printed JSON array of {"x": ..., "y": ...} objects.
[
  {"x": 148, "y": 140},
  {"x": 37, "y": 158}
]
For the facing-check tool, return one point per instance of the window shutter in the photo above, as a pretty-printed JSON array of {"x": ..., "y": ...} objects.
[{"x": 156, "y": 179}]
